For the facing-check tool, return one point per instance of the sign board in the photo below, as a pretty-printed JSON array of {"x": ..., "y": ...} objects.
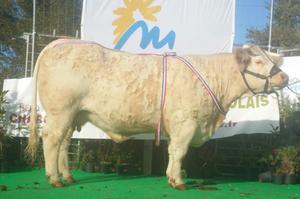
[
  {"x": 158, "y": 26},
  {"x": 291, "y": 66},
  {"x": 257, "y": 114}
]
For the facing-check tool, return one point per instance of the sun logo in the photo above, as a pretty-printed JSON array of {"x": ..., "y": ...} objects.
[
  {"x": 126, "y": 15},
  {"x": 126, "y": 24}
]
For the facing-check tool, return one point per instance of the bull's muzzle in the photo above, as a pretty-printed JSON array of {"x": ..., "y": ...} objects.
[
  {"x": 284, "y": 78},
  {"x": 280, "y": 80}
]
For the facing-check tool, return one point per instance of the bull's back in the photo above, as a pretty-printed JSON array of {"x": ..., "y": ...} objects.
[{"x": 113, "y": 87}]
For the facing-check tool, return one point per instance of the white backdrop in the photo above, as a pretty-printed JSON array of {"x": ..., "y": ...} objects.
[
  {"x": 192, "y": 26},
  {"x": 292, "y": 67}
]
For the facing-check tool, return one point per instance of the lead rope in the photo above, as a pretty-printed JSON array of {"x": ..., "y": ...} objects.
[{"x": 164, "y": 90}]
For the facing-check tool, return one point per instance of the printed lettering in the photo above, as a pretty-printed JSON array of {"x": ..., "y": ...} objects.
[
  {"x": 250, "y": 102},
  {"x": 264, "y": 100}
]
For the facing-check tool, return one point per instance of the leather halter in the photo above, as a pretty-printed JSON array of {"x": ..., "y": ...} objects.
[{"x": 274, "y": 70}]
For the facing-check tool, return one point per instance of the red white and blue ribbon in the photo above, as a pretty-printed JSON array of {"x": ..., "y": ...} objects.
[
  {"x": 164, "y": 89},
  {"x": 163, "y": 97},
  {"x": 205, "y": 84}
]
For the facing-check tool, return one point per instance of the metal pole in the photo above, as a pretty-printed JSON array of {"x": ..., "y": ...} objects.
[
  {"x": 78, "y": 152},
  {"x": 270, "y": 27},
  {"x": 27, "y": 50},
  {"x": 33, "y": 37}
]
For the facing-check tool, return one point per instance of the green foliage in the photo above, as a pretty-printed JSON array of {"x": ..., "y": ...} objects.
[
  {"x": 285, "y": 26},
  {"x": 16, "y": 18},
  {"x": 88, "y": 156},
  {"x": 13, "y": 23},
  {"x": 3, "y": 136},
  {"x": 290, "y": 158},
  {"x": 284, "y": 160},
  {"x": 3, "y": 102},
  {"x": 107, "y": 151},
  {"x": 287, "y": 111}
]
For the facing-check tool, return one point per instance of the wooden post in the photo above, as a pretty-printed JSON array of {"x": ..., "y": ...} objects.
[{"x": 147, "y": 164}]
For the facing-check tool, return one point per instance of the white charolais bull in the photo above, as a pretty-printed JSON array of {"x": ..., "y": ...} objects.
[{"x": 120, "y": 93}]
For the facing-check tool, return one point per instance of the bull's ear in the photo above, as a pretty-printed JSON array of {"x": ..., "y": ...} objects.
[
  {"x": 276, "y": 58},
  {"x": 242, "y": 57}
]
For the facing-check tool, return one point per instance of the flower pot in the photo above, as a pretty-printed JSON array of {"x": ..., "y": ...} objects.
[
  {"x": 265, "y": 176},
  {"x": 135, "y": 170},
  {"x": 290, "y": 179},
  {"x": 123, "y": 168},
  {"x": 106, "y": 167},
  {"x": 4, "y": 167},
  {"x": 278, "y": 179},
  {"x": 89, "y": 167},
  {"x": 97, "y": 168},
  {"x": 18, "y": 165},
  {"x": 252, "y": 174}
]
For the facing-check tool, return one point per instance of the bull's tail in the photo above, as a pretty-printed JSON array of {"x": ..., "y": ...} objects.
[{"x": 33, "y": 140}]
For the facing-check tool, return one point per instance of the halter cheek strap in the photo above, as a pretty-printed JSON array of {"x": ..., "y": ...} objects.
[
  {"x": 257, "y": 75},
  {"x": 273, "y": 72}
]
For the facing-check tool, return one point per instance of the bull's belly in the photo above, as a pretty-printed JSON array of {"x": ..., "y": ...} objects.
[{"x": 125, "y": 126}]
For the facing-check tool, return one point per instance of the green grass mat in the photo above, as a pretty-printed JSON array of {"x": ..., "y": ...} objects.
[{"x": 33, "y": 184}]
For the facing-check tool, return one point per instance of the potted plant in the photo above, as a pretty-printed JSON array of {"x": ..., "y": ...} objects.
[
  {"x": 290, "y": 159},
  {"x": 105, "y": 155},
  {"x": 3, "y": 151},
  {"x": 277, "y": 176},
  {"x": 275, "y": 166},
  {"x": 87, "y": 161},
  {"x": 127, "y": 160},
  {"x": 284, "y": 164},
  {"x": 275, "y": 173},
  {"x": 123, "y": 163}
]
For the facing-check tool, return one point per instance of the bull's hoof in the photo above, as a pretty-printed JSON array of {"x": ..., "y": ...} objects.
[
  {"x": 70, "y": 179},
  {"x": 181, "y": 187},
  {"x": 183, "y": 174},
  {"x": 57, "y": 184},
  {"x": 171, "y": 182}
]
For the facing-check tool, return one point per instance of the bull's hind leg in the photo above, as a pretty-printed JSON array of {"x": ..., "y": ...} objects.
[
  {"x": 53, "y": 135},
  {"x": 63, "y": 163},
  {"x": 181, "y": 135}
]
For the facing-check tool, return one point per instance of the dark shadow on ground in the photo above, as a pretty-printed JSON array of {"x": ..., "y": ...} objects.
[
  {"x": 208, "y": 184},
  {"x": 104, "y": 178}
]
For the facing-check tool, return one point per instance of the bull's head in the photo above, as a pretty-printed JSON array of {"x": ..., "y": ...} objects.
[{"x": 260, "y": 69}]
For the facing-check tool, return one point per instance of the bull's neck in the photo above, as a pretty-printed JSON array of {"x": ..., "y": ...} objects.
[{"x": 228, "y": 83}]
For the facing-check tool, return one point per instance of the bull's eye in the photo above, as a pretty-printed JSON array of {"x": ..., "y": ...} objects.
[{"x": 274, "y": 71}]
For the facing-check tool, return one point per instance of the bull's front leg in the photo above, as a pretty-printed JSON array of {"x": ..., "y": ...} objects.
[{"x": 180, "y": 138}]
